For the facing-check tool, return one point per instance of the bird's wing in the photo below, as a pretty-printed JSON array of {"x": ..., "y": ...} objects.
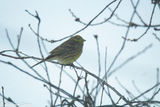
[{"x": 64, "y": 47}]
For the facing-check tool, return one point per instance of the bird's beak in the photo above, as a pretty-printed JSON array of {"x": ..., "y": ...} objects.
[{"x": 84, "y": 40}]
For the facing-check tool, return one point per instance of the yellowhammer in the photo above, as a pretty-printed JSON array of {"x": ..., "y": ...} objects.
[{"x": 66, "y": 53}]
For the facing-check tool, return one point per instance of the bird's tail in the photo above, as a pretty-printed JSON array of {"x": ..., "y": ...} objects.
[{"x": 37, "y": 64}]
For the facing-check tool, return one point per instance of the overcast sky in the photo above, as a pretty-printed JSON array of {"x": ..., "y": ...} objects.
[{"x": 57, "y": 22}]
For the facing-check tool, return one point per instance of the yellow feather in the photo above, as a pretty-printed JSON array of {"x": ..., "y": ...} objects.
[{"x": 68, "y": 52}]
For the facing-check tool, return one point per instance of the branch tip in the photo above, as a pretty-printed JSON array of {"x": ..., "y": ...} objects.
[{"x": 96, "y": 36}]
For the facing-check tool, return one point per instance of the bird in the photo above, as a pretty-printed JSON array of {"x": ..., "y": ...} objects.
[{"x": 66, "y": 53}]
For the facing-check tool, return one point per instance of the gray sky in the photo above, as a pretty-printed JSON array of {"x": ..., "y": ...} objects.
[{"x": 56, "y": 23}]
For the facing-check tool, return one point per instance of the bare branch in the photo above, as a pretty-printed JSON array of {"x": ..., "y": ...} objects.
[
  {"x": 58, "y": 94},
  {"x": 19, "y": 38},
  {"x": 99, "y": 65},
  {"x": 105, "y": 83},
  {"x": 9, "y": 39},
  {"x": 146, "y": 29},
  {"x": 149, "y": 23},
  {"x": 89, "y": 23},
  {"x": 39, "y": 35},
  {"x": 105, "y": 20},
  {"x": 9, "y": 99},
  {"x": 88, "y": 98},
  {"x": 156, "y": 29},
  {"x": 156, "y": 37},
  {"x": 123, "y": 45},
  {"x": 129, "y": 59},
  {"x": 127, "y": 91},
  {"x": 138, "y": 89},
  {"x": 102, "y": 95},
  {"x": 3, "y": 96},
  {"x": 146, "y": 92},
  {"x": 40, "y": 50},
  {"x": 44, "y": 81}
]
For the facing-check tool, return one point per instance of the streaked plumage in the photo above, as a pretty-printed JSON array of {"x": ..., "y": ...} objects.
[{"x": 68, "y": 52}]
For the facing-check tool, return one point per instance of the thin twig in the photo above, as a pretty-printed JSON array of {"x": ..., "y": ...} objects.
[
  {"x": 138, "y": 14},
  {"x": 89, "y": 23},
  {"x": 99, "y": 66},
  {"x": 15, "y": 52},
  {"x": 78, "y": 79},
  {"x": 87, "y": 73},
  {"x": 105, "y": 62},
  {"x": 100, "y": 81},
  {"x": 109, "y": 95},
  {"x": 123, "y": 45},
  {"x": 156, "y": 37},
  {"x": 118, "y": 17},
  {"x": 156, "y": 29},
  {"x": 44, "y": 81},
  {"x": 74, "y": 92},
  {"x": 99, "y": 62},
  {"x": 102, "y": 95},
  {"x": 127, "y": 91},
  {"x": 20, "y": 55},
  {"x": 9, "y": 39},
  {"x": 88, "y": 97},
  {"x": 138, "y": 90},
  {"x": 40, "y": 50},
  {"x": 71, "y": 77},
  {"x": 39, "y": 35},
  {"x": 141, "y": 19},
  {"x": 118, "y": 101},
  {"x": 149, "y": 23},
  {"x": 60, "y": 76},
  {"x": 19, "y": 38},
  {"x": 105, "y": 83},
  {"x": 99, "y": 23},
  {"x": 129, "y": 59},
  {"x": 146, "y": 92},
  {"x": 9, "y": 99},
  {"x": 25, "y": 61},
  {"x": 154, "y": 95},
  {"x": 139, "y": 103},
  {"x": 157, "y": 80},
  {"x": 133, "y": 24},
  {"x": 42, "y": 39},
  {"x": 55, "y": 93},
  {"x": 38, "y": 27},
  {"x": 3, "y": 96},
  {"x": 24, "y": 57},
  {"x": 135, "y": 40}
]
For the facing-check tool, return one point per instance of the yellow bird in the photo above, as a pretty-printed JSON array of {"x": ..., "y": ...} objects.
[{"x": 66, "y": 53}]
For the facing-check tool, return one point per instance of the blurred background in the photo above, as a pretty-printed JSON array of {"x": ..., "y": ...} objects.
[{"x": 57, "y": 22}]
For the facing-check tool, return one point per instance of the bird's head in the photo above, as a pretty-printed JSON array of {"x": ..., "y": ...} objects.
[{"x": 78, "y": 38}]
